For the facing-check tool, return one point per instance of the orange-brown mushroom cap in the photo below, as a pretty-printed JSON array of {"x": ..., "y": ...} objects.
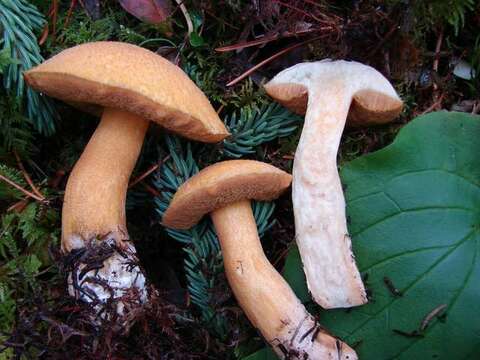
[
  {"x": 374, "y": 101},
  {"x": 130, "y": 78},
  {"x": 221, "y": 184}
]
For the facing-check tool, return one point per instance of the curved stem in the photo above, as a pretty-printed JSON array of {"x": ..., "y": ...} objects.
[
  {"x": 266, "y": 298},
  {"x": 319, "y": 204},
  {"x": 104, "y": 265},
  {"x": 94, "y": 202}
]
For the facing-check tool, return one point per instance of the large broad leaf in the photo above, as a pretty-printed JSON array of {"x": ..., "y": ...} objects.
[{"x": 414, "y": 210}]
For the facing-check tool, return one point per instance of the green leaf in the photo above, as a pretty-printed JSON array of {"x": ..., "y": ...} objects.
[
  {"x": 293, "y": 273},
  {"x": 414, "y": 211},
  {"x": 196, "y": 40},
  {"x": 263, "y": 354}
]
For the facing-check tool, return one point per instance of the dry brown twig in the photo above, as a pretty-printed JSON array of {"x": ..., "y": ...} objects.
[
  {"x": 266, "y": 39},
  {"x": 18, "y": 187},
  {"x": 27, "y": 177},
  {"x": 269, "y": 59},
  {"x": 150, "y": 170}
]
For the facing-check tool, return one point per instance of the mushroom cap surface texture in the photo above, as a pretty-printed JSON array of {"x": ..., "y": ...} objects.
[
  {"x": 221, "y": 184},
  {"x": 130, "y": 78},
  {"x": 374, "y": 100}
]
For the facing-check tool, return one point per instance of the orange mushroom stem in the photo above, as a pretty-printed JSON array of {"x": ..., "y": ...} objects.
[{"x": 224, "y": 190}]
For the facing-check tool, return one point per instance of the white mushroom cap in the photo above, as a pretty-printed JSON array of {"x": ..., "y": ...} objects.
[{"x": 374, "y": 100}]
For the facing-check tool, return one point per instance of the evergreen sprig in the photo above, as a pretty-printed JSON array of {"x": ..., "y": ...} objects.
[
  {"x": 251, "y": 128},
  {"x": 16, "y": 128},
  {"x": 24, "y": 240},
  {"x": 19, "y": 20},
  {"x": 203, "y": 263},
  {"x": 7, "y": 191}
]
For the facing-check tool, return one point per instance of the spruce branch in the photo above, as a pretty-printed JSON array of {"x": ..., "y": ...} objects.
[
  {"x": 19, "y": 20},
  {"x": 8, "y": 177},
  {"x": 251, "y": 128}
]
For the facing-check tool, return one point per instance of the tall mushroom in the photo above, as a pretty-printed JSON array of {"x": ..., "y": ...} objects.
[
  {"x": 129, "y": 86},
  {"x": 328, "y": 92},
  {"x": 224, "y": 190}
]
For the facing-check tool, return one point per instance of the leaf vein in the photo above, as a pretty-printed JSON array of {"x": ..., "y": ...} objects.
[
  {"x": 440, "y": 259},
  {"x": 410, "y": 211},
  {"x": 408, "y": 252},
  {"x": 449, "y": 308}
]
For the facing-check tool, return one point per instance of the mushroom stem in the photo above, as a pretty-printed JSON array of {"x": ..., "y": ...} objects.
[
  {"x": 265, "y": 296},
  {"x": 94, "y": 203},
  {"x": 94, "y": 208},
  {"x": 322, "y": 238}
]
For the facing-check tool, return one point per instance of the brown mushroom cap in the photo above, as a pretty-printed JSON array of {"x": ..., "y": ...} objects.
[
  {"x": 374, "y": 101},
  {"x": 221, "y": 184},
  {"x": 130, "y": 78}
]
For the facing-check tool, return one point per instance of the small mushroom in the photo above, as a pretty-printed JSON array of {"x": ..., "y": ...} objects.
[
  {"x": 129, "y": 86},
  {"x": 224, "y": 191},
  {"x": 328, "y": 92}
]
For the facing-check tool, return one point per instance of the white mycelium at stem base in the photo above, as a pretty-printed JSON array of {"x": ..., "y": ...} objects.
[
  {"x": 329, "y": 91},
  {"x": 224, "y": 190},
  {"x": 93, "y": 217}
]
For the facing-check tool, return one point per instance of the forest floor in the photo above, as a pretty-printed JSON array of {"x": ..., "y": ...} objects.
[{"x": 429, "y": 50}]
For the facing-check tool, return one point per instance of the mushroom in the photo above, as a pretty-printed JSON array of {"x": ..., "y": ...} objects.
[
  {"x": 329, "y": 91},
  {"x": 129, "y": 86},
  {"x": 224, "y": 190}
]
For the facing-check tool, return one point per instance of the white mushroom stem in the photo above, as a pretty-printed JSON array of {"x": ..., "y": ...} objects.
[
  {"x": 93, "y": 216},
  {"x": 329, "y": 91},
  {"x": 322, "y": 235},
  {"x": 265, "y": 296}
]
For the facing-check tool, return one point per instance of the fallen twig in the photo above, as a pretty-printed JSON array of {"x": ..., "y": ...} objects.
[
  {"x": 271, "y": 58},
  {"x": 18, "y": 187},
  {"x": 429, "y": 317},
  {"x": 267, "y": 38},
  {"x": 27, "y": 177},
  {"x": 148, "y": 172}
]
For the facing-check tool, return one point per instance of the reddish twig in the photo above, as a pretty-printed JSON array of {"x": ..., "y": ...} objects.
[
  {"x": 437, "y": 51},
  {"x": 435, "y": 105},
  {"x": 303, "y": 12},
  {"x": 18, "y": 206},
  {"x": 151, "y": 190},
  {"x": 27, "y": 177},
  {"x": 44, "y": 35},
  {"x": 18, "y": 187},
  {"x": 73, "y": 3},
  {"x": 266, "y": 61},
  {"x": 148, "y": 172},
  {"x": 53, "y": 14},
  {"x": 436, "y": 60},
  {"x": 144, "y": 175},
  {"x": 266, "y": 39}
]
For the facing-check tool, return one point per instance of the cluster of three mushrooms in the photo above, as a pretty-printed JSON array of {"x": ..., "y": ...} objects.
[
  {"x": 132, "y": 85},
  {"x": 129, "y": 86}
]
